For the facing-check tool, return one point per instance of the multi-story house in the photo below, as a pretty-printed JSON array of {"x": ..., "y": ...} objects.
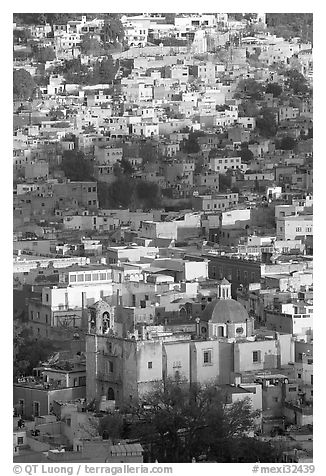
[{"x": 293, "y": 227}]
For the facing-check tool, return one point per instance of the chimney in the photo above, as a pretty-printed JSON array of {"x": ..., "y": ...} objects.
[
  {"x": 83, "y": 300},
  {"x": 197, "y": 327},
  {"x": 237, "y": 380}
]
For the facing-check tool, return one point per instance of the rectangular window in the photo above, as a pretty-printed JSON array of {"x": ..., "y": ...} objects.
[
  {"x": 207, "y": 357},
  {"x": 95, "y": 277},
  {"x": 298, "y": 228},
  {"x": 72, "y": 278},
  {"x": 80, "y": 278},
  {"x": 102, "y": 276},
  {"x": 110, "y": 366},
  {"x": 88, "y": 277},
  {"x": 311, "y": 379},
  {"x": 150, "y": 365},
  {"x": 20, "y": 440},
  {"x": 256, "y": 356},
  {"x": 36, "y": 408}
]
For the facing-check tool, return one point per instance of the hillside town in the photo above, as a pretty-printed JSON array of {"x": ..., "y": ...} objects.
[{"x": 162, "y": 238}]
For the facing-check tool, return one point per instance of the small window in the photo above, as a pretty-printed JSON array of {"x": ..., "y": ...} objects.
[
  {"x": 110, "y": 366},
  {"x": 72, "y": 278},
  {"x": 207, "y": 357},
  {"x": 20, "y": 440},
  {"x": 150, "y": 365},
  {"x": 299, "y": 375},
  {"x": 256, "y": 356},
  {"x": 80, "y": 278},
  {"x": 88, "y": 277}
]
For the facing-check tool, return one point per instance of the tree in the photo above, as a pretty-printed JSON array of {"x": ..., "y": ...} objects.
[
  {"x": 287, "y": 143},
  {"x": 296, "y": 81},
  {"x": 289, "y": 25},
  {"x": 251, "y": 88},
  {"x": 30, "y": 18},
  {"x": 45, "y": 54},
  {"x": 89, "y": 129},
  {"x": 126, "y": 167},
  {"x": 56, "y": 114},
  {"x": 181, "y": 422},
  {"x": 117, "y": 171},
  {"x": 199, "y": 165},
  {"x": 245, "y": 154},
  {"x": 111, "y": 427},
  {"x": 275, "y": 89},
  {"x": 119, "y": 193},
  {"x": 91, "y": 46},
  {"x": 29, "y": 352},
  {"x": 191, "y": 145},
  {"x": 148, "y": 194},
  {"x": 225, "y": 182},
  {"x": 73, "y": 71},
  {"x": 113, "y": 30},
  {"x": 24, "y": 86},
  {"x": 248, "y": 108},
  {"x": 104, "y": 71},
  {"x": 266, "y": 123},
  {"x": 75, "y": 166},
  {"x": 21, "y": 36}
]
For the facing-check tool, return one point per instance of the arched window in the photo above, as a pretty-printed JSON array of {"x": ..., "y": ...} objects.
[
  {"x": 106, "y": 322},
  {"x": 111, "y": 394}
]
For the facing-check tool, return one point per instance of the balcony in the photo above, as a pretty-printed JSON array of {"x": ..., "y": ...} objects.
[{"x": 109, "y": 377}]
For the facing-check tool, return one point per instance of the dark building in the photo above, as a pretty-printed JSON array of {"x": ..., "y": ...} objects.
[{"x": 237, "y": 270}]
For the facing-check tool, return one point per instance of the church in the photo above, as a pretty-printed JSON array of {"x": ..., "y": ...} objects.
[{"x": 125, "y": 360}]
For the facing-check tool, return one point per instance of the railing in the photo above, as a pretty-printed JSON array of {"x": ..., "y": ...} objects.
[{"x": 106, "y": 377}]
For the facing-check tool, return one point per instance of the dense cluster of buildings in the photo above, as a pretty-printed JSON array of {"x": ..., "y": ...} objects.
[{"x": 221, "y": 290}]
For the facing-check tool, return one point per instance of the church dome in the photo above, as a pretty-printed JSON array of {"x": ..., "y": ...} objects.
[{"x": 221, "y": 311}]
